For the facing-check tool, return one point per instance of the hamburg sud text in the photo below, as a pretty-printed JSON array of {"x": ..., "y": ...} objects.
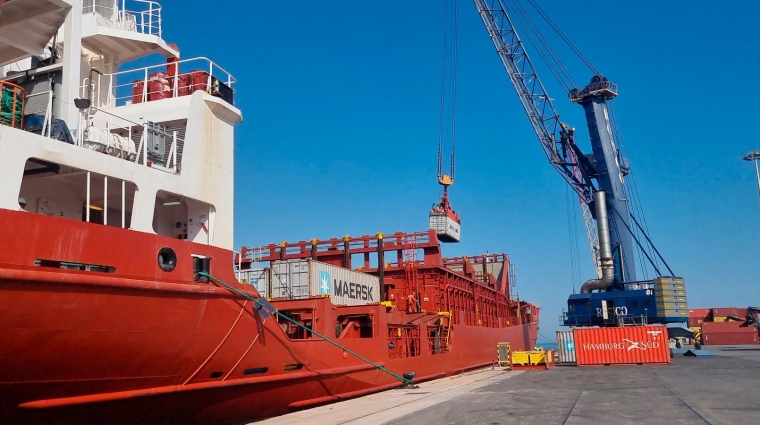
[{"x": 626, "y": 344}]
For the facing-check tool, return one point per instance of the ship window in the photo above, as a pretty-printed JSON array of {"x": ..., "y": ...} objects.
[
  {"x": 215, "y": 375},
  {"x": 294, "y": 366},
  {"x": 634, "y": 304},
  {"x": 181, "y": 217},
  {"x": 646, "y": 303},
  {"x": 62, "y": 191}
]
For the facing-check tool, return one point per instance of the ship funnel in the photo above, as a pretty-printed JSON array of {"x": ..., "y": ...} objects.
[{"x": 605, "y": 248}]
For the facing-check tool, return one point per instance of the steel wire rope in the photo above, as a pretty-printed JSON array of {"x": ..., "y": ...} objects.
[
  {"x": 547, "y": 46},
  {"x": 443, "y": 89},
  {"x": 572, "y": 220},
  {"x": 557, "y": 68},
  {"x": 454, "y": 86},
  {"x": 447, "y": 122},
  {"x": 270, "y": 309},
  {"x": 528, "y": 31},
  {"x": 632, "y": 191},
  {"x": 563, "y": 36}
]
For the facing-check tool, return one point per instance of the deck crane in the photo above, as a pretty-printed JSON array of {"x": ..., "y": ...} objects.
[
  {"x": 599, "y": 181},
  {"x": 442, "y": 218}
]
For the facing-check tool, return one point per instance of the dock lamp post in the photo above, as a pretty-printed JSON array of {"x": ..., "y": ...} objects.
[{"x": 754, "y": 156}]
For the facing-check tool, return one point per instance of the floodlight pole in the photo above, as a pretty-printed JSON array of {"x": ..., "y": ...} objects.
[{"x": 755, "y": 156}]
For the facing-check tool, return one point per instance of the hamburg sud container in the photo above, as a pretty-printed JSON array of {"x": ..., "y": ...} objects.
[
  {"x": 295, "y": 279},
  {"x": 621, "y": 345},
  {"x": 566, "y": 347}
]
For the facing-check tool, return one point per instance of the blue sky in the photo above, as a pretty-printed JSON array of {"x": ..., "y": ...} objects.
[{"x": 341, "y": 107}]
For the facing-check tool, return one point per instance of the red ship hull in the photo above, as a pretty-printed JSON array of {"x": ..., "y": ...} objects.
[{"x": 137, "y": 344}]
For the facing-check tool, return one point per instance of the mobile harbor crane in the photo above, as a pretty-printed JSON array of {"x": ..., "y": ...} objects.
[{"x": 615, "y": 297}]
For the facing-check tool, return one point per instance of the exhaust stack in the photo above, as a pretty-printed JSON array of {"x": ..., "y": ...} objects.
[{"x": 605, "y": 248}]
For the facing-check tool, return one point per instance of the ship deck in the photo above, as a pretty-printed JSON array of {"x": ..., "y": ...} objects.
[{"x": 713, "y": 390}]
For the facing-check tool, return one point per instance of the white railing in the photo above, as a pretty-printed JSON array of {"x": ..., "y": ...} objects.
[
  {"x": 141, "y": 16},
  {"x": 162, "y": 81},
  {"x": 124, "y": 148}
]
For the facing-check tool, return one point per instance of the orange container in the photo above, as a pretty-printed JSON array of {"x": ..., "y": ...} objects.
[{"x": 622, "y": 345}]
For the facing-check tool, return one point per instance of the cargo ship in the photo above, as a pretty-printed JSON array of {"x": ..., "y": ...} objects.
[{"x": 119, "y": 299}]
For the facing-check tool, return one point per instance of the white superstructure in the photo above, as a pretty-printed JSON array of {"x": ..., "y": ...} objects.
[{"x": 149, "y": 149}]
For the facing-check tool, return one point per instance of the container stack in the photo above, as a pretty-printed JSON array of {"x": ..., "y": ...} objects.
[
  {"x": 300, "y": 279},
  {"x": 722, "y": 326}
]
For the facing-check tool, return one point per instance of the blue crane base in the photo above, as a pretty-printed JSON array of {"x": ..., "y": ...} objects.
[{"x": 661, "y": 300}]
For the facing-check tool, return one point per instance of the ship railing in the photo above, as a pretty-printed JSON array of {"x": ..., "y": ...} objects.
[
  {"x": 127, "y": 129},
  {"x": 592, "y": 319},
  {"x": 43, "y": 98},
  {"x": 142, "y": 16},
  {"x": 167, "y": 80}
]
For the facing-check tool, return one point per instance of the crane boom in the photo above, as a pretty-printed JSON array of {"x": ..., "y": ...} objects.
[{"x": 556, "y": 138}]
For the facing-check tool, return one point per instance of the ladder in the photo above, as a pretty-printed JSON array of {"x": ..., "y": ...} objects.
[{"x": 409, "y": 245}]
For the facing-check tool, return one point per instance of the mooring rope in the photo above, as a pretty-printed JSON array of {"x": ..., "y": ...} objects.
[{"x": 270, "y": 309}]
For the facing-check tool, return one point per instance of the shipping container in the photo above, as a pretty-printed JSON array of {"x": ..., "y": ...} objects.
[
  {"x": 566, "y": 347},
  {"x": 445, "y": 227},
  {"x": 699, "y": 313},
  {"x": 296, "y": 279},
  {"x": 723, "y": 327},
  {"x": 695, "y": 322},
  {"x": 621, "y": 345},
  {"x": 259, "y": 278},
  {"x": 729, "y": 311},
  {"x": 290, "y": 279},
  {"x": 729, "y": 338}
]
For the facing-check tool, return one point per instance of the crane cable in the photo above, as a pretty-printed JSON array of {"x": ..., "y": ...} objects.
[
  {"x": 544, "y": 49},
  {"x": 563, "y": 36},
  {"x": 632, "y": 189},
  {"x": 447, "y": 124}
]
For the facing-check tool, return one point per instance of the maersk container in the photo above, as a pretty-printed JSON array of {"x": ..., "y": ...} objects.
[
  {"x": 445, "y": 227},
  {"x": 296, "y": 279},
  {"x": 290, "y": 279},
  {"x": 566, "y": 347},
  {"x": 621, "y": 345},
  {"x": 258, "y": 277}
]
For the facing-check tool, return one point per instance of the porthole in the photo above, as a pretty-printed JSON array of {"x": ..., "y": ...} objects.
[{"x": 167, "y": 259}]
